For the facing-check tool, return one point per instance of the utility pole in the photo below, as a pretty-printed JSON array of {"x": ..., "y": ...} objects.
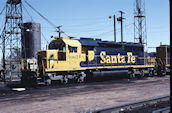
[
  {"x": 114, "y": 27},
  {"x": 120, "y": 19},
  {"x": 59, "y": 31}
]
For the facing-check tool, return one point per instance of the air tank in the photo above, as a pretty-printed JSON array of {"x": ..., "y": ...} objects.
[{"x": 31, "y": 39}]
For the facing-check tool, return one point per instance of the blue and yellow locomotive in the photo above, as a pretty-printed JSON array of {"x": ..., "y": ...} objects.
[{"x": 68, "y": 58}]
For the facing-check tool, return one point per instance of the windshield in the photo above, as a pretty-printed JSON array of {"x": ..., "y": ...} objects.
[{"x": 58, "y": 45}]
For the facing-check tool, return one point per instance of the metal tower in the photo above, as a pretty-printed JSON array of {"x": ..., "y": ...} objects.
[
  {"x": 11, "y": 38},
  {"x": 140, "y": 34}
]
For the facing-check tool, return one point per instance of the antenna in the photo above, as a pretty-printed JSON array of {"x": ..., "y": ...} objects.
[
  {"x": 140, "y": 35},
  {"x": 59, "y": 31}
]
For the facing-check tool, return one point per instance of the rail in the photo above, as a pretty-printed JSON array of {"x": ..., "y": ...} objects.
[
  {"x": 163, "y": 110},
  {"x": 132, "y": 105}
]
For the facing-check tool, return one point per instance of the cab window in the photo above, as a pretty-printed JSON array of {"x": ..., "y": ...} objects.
[
  {"x": 58, "y": 45},
  {"x": 72, "y": 49}
]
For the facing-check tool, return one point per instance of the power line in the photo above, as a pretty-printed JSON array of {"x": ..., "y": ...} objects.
[
  {"x": 27, "y": 12},
  {"x": 112, "y": 30},
  {"x": 2, "y": 10},
  {"x": 1, "y": 14},
  {"x": 44, "y": 38},
  {"x": 48, "y": 21},
  {"x": 93, "y": 23},
  {"x": 92, "y": 29},
  {"x": 53, "y": 25},
  {"x": 103, "y": 33},
  {"x": 78, "y": 19}
]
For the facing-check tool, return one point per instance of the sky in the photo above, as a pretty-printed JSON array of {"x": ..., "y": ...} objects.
[{"x": 89, "y": 18}]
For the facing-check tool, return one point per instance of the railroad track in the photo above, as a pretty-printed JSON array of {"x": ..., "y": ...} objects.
[
  {"x": 153, "y": 105},
  {"x": 163, "y": 110}
]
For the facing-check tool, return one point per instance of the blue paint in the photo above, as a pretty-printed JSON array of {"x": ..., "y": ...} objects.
[{"x": 113, "y": 48}]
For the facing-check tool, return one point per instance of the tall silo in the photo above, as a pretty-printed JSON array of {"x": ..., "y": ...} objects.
[{"x": 31, "y": 39}]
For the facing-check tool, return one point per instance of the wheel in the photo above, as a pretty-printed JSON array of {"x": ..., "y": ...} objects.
[
  {"x": 141, "y": 74},
  {"x": 131, "y": 74},
  {"x": 65, "y": 80},
  {"x": 160, "y": 72},
  {"x": 89, "y": 76},
  {"x": 48, "y": 82},
  {"x": 151, "y": 73},
  {"x": 81, "y": 77}
]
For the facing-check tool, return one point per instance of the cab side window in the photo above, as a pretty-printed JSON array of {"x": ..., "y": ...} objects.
[
  {"x": 72, "y": 49},
  {"x": 64, "y": 49}
]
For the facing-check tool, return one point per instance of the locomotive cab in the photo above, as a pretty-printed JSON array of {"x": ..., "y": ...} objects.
[{"x": 63, "y": 54}]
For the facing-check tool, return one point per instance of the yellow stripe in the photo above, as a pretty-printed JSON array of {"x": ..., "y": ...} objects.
[{"x": 101, "y": 67}]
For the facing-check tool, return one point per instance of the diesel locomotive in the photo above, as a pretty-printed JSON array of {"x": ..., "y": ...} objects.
[{"x": 77, "y": 59}]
